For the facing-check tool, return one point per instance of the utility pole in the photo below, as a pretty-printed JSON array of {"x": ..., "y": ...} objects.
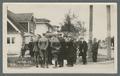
[
  {"x": 90, "y": 30},
  {"x": 108, "y": 32}
]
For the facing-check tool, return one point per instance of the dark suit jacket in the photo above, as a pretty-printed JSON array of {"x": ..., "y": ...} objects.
[{"x": 83, "y": 47}]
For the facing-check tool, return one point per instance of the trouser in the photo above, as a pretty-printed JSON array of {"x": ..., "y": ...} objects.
[
  {"x": 75, "y": 58},
  {"x": 45, "y": 58},
  {"x": 94, "y": 56},
  {"x": 37, "y": 58},
  {"x": 60, "y": 60},
  {"x": 49, "y": 57},
  {"x": 31, "y": 53},
  {"x": 55, "y": 55},
  {"x": 70, "y": 61},
  {"x": 23, "y": 52},
  {"x": 84, "y": 60}
]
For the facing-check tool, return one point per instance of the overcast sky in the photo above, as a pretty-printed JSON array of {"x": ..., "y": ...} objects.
[{"x": 56, "y": 12}]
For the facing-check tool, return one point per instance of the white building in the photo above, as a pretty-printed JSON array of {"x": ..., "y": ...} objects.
[
  {"x": 42, "y": 26},
  {"x": 17, "y": 26},
  {"x": 20, "y": 26}
]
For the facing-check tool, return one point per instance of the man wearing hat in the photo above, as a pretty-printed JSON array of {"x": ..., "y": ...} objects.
[
  {"x": 43, "y": 44},
  {"x": 83, "y": 47},
  {"x": 55, "y": 46},
  {"x": 95, "y": 46}
]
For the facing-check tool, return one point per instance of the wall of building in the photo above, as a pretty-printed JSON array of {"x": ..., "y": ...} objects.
[
  {"x": 31, "y": 26},
  {"x": 25, "y": 25},
  {"x": 14, "y": 43},
  {"x": 41, "y": 28}
]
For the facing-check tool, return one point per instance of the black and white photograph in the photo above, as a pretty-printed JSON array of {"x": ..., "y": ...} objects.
[{"x": 60, "y": 38}]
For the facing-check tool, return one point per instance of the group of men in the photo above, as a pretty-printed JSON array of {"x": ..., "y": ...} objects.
[{"x": 47, "y": 49}]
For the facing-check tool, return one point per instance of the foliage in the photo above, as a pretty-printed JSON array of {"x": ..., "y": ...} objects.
[
  {"x": 68, "y": 26},
  {"x": 73, "y": 25}
]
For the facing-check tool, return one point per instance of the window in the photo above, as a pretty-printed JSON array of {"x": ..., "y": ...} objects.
[
  {"x": 13, "y": 40},
  {"x": 8, "y": 40}
]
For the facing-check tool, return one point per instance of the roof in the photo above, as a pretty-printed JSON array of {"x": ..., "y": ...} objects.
[
  {"x": 24, "y": 17},
  {"x": 41, "y": 20},
  {"x": 49, "y": 25},
  {"x": 56, "y": 26},
  {"x": 11, "y": 17},
  {"x": 10, "y": 29},
  {"x": 21, "y": 17}
]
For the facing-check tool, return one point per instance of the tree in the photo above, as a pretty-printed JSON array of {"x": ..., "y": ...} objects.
[
  {"x": 68, "y": 26},
  {"x": 72, "y": 25}
]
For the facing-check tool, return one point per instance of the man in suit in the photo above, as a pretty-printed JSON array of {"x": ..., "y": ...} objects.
[
  {"x": 36, "y": 50},
  {"x": 83, "y": 47},
  {"x": 70, "y": 52},
  {"x": 31, "y": 46},
  {"x": 43, "y": 45},
  {"x": 80, "y": 47},
  {"x": 95, "y": 50},
  {"x": 49, "y": 49},
  {"x": 61, "y": 52},
  {"x": 55, "y": 46}
]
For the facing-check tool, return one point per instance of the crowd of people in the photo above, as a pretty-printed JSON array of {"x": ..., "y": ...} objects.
[{"x": 46, "y": 49}]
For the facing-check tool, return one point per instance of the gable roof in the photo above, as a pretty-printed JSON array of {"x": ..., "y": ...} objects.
[
  {"x": 10, "y": 28},
  {"x": 41, "y": 20},
  {"x": 49, "y": 25},
  {"x": 21, "y": 17},
  {"x": 24, "y": 17},
  {"x": 12, "y": 18}
]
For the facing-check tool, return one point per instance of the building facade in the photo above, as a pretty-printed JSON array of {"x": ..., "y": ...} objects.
[
  {"x": 42, "y": 26},
  {"x": 17, "y": 26}
]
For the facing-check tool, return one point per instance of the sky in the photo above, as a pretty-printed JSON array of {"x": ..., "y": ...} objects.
[{"x": 55, "y": 12}]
